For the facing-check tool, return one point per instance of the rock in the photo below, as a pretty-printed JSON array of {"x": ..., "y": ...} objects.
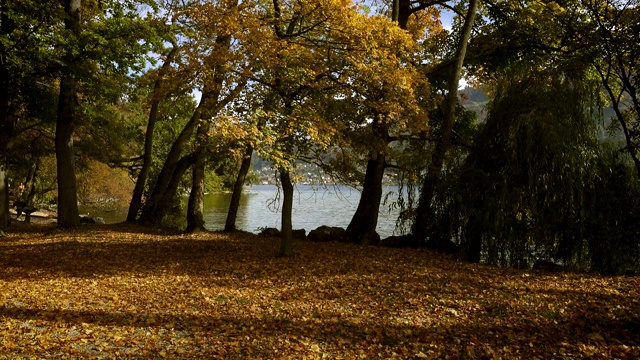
[
  {"x": 339, "y": 234},
  {"x": 99, "y": 220},
  {"x": 85, "y": 219},
  {"x": 299, "y": 234},
  {"x": 270, "y": 232},
  {"x": 321, "y": 234},
  {"x": 401, "y": 241},
  {"x": 546, "y": 265},
  {"x": 443, "y": 245},
  {"x": 327, "y": 233}
]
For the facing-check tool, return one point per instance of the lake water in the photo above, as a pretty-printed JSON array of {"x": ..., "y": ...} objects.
[{"x": 313, "y": 206}]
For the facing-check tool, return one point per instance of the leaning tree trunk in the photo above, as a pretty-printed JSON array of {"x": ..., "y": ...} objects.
[
  {"x": 362, "y": 228},
  {"x": 425, "y": 210},
  {"x": 286, "y": 237},
  {"x": 164, "y": 203},
  {"x": 230, "y": 224},
  {"x": 210, "y": 104},
  {"x": 160, "y": 194},
  {"x": 67, "y": 110},
  {"x": 157, "y": 97}
]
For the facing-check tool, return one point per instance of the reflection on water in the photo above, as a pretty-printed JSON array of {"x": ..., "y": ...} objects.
[{"x": 259, "y": 208}]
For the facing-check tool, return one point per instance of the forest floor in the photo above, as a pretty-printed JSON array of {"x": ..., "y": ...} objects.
[{"x": 123, "y": 291}]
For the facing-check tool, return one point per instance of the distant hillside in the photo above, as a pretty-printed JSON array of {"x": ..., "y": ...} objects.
[{"x": 475, "y": 100}]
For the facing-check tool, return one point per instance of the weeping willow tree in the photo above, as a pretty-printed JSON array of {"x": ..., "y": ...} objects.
[{"x": 527, "y": 186}]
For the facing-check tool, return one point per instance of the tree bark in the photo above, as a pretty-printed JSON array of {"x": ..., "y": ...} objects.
[
  {"x": 163, "y": 204},
  {"x": 4, "y": 200},
  {"x": 362, "y": 228},
  {"x": 230, "y": 224},
  {"x": 157, "y": 97},
  {"x": 195, "y": 207},
  {"x": 30, "y": 188},
  {"x": 161, "y": 191},
  {"x": 7, "y": 121},
  {"x": 286, "y": 238},
  {"x": 425, "y": 211},
  {"x": 67, "y": 110}
]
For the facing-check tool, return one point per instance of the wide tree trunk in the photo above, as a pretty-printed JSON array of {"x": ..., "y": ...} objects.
[
  {"x": 425, "y": 211},
  {"x": 286, "y": 237},
  {"x": 232, "y": 214},
  {"x": 362, "y": 228},
  {"x": 157, "y": 97},
  {"x": 67, "y": 110},
  {"x": 68, "y": 215}
]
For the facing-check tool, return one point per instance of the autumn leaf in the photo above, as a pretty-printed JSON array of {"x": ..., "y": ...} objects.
[{"x": 125, "y": 291}]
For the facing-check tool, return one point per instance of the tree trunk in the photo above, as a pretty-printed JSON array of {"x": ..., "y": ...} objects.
[
  {"x": 425, "y": 211},
  {"x": 30, "y": 186},
  {"x": 195, "y": 207},
  {"x": 157, "y": 97},
  {"x": 65, "y": 162},
  {"x": 230, "y": 224},
  {"x": 162, "y": 207},
  {"x": 7, "y": 126},
  {"x": 211, "y": 103},
  {"x": 286, "y": 239},
  {"x": 30, "y": 182},
  {"x": 160, "y": 191},
  {"x": 4, "y": 200},
  {"x": 68, "y": 215},
  {"x": 7, "y": 121},
  {"x": 362, "y": 228}
]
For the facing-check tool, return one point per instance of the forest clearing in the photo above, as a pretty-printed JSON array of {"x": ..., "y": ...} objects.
[{"x": 127, "y": 291}]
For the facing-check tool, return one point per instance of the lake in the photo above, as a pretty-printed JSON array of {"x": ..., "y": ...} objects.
[{"x": 313, "y": 206}]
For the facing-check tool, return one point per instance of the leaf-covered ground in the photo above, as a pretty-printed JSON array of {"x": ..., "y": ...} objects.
[{"x": 121, "y": 291}]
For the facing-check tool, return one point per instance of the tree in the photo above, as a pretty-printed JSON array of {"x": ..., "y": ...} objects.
[
  {"x": 7, "y": 120},
  {"x": 25, "y": 56},
  {"x": 92, "y": 51},
  {"x": 393, "y": 106},
  {"x": 424, "y": 210},
  {"x": 67, "y": 111},
  {"x": 230, "y": 223},
  {"x": 614, "y": 51},
  {"x": 220, "y": 83},
  {"x": 158, "y": 94},
  {"x": 293, "y": 72}
]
